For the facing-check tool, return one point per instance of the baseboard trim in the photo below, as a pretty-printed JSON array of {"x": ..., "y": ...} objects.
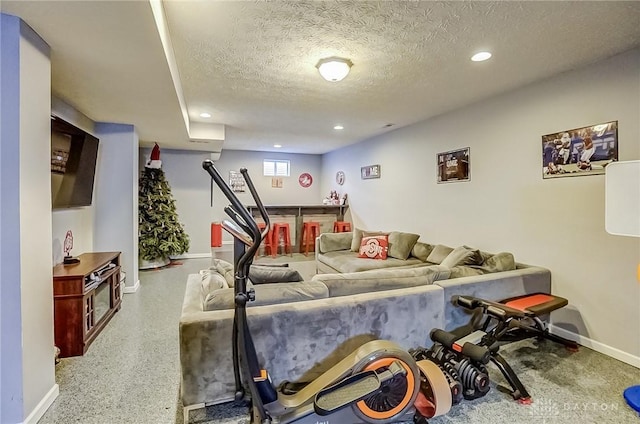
[
  {"x": 192, "y": 256},
  {"x": 42, "y": 407},
  {"x": 597, "y": 346},
  {"x": 132, "y": 289}
]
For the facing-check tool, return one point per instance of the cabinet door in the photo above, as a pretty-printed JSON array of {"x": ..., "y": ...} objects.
[
  {"x": 115, "y": 289},
  {"x": 89, "y": 312}
]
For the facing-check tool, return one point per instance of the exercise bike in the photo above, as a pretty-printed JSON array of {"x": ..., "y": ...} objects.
[
  {"x": 376, "y": 384},
  {"x": 463, "y": 353}
]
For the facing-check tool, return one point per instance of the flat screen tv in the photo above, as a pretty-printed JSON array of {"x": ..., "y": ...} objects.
[{"x": 73, "y": 164}]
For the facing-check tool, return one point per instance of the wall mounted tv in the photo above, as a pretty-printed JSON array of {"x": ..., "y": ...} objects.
[{"x": 73, "y": 164}]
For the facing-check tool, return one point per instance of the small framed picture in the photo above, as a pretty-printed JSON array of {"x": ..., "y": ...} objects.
[
  {"x": 454, "y": 166},
  {"x": 236, "y": 182},
  {"x": 580, "y": 151},
  {"x": 370, "y": 171}
]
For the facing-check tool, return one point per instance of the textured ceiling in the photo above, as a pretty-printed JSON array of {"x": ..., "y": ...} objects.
[{"x": 252, "y": 64}]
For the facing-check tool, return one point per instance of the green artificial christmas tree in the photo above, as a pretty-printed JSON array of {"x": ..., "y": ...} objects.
[{"x": 160, "y": 234}]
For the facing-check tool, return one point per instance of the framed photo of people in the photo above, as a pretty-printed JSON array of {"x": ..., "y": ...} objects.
[
  {"x": 579, "y": 151},
  {"x": 454, "y": 166}
]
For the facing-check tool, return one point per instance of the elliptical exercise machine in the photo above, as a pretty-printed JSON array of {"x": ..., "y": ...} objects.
[{"x": 376, "y": 384}]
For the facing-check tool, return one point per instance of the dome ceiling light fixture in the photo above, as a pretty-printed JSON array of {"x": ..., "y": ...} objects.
[
  {"x": 481, "y": 56},
  {"x": 334, "y": 69}
]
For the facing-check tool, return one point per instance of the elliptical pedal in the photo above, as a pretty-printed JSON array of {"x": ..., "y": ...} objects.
[{"x": 353, "y": 389}]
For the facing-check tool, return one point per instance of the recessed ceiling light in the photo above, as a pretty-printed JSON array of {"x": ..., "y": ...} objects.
[
  {"x": 479, "y": 57},
  {"x": 338, "y": 127},
  {"x": 277, "y": 146},
  {"x": 205, "y": 115}
]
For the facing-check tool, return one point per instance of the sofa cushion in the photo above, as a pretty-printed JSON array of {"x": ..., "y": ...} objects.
[
  {"x": 356, "y": 240},
  {"x": 223, "y": 268},
  {"x": 331, "y": 242},
  {"x": 464, "y": 271},
  {"x": 379, "y": 280},
  {"x": 262, "y": 274},
  {"x": 400, "y": 244},
  {"x": 268, "y": 294},
  {"x": 349, "y": 262},
  {"x": 461, "y": 255},
  {"x": 438, "y": 254},
  {"x": 374, "y": 247},
  {"x": 503, "y": 261},
  {"x": 421, "y": 251}
]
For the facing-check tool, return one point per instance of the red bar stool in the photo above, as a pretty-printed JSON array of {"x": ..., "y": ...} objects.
[
  {"x": 310, "y": 230},
  {"x": 268, "y": 240},
  {"x": 341, "y": 227},
  {"x": 278, "y": 229}
]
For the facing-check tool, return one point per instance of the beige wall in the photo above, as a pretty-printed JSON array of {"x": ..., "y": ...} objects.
[
  {"x": 556, "y": 223},
  {"x": 35, "y": 221}
]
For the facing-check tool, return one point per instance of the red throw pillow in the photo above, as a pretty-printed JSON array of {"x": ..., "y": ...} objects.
[{"x": 374, "y": 247}]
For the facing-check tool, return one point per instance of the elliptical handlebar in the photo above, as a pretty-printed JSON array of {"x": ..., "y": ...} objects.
[
  {"x": 246, "y": 231},
  {"x": 237, "y": 210}
]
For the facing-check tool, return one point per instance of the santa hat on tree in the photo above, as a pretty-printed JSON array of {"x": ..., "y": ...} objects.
[{"x": 154, "y": 160}]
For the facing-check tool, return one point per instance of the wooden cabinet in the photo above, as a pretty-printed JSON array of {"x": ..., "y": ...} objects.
[{"x": 86, "y": 295}]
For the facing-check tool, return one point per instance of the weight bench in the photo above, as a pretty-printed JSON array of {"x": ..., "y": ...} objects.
[{"x": 492, "y": 325}]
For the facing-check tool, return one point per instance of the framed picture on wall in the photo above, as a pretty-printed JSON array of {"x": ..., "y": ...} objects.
[
  {"x": 579, "y": 151},
  {"x": 370, "y": 171},
  {"x": 454, "y": 166},
  {"x": 236, "y": 182}
]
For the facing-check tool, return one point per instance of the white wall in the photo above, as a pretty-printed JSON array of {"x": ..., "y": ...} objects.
[
  {"x": 190, "y": 187},
  {"x": 555, "y": 223},
  {"x": 80, "y": 222},
  {"x": 115, "y": 203},
  {"x": 28, "y": 378}
]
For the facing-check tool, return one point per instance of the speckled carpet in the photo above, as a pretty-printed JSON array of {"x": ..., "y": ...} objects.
[
  {"x": 131, "y": 372},
  {"x": 566, "y": 387}
]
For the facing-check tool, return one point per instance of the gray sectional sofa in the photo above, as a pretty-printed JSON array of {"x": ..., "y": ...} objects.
[{"x": 300, "y": 329}]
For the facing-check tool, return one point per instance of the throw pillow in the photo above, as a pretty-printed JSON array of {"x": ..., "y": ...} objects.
[
  {"x": 438, "y": 254},
  {"x": 421, "y": 251},
  {"x": 211, "y": 281},
  {"x": 374, "y": 247},
  {"x": 477, "y": 257},
  {"x": 458, "y": 256},
  {"x": 356, "y": 240},
  {"x": 225, "y": 269},
  {"x": 503, "y": 261},
  {"x": 260, "y": 274},
  {"x": 400, "y": 244}
]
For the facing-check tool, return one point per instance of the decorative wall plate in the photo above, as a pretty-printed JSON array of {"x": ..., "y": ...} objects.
[
  {"x": 305, "y": 180},
  {"x": 340, "y": 177}
]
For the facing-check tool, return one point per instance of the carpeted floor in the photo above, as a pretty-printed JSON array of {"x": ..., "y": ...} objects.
[
  {"x": 566, "y": 387},
  {"x": 131, "y": 372}
]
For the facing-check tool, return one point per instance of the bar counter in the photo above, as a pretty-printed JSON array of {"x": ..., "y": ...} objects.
[
  {"x": 295, "y": 214},
  {"x": 300, "y": 210}
]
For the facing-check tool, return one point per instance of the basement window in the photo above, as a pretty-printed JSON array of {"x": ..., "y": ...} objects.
[{"x": 276, "y": 168}]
